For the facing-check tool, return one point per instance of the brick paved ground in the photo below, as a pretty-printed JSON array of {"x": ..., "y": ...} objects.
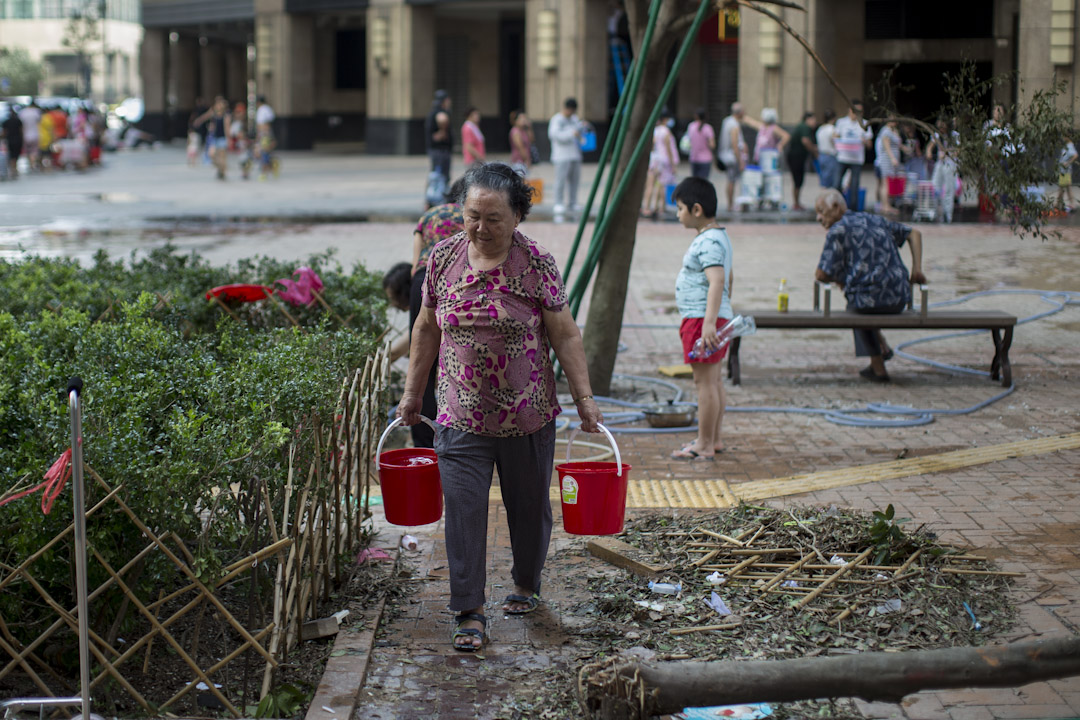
[{"x": 1022, "y": 512}]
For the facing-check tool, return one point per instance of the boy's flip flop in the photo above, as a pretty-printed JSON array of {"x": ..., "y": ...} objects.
[
  {"x": 688, "y": 454},
  {"x": 533, "y": 602},
  {"x": 689, "y": 445}
]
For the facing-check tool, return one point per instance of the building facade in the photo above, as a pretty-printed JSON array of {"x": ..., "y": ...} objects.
[
  {"x": 1029, "y": 43},
  {"x": 362, "y": 73},
  {"x": 99, "y": 59}
]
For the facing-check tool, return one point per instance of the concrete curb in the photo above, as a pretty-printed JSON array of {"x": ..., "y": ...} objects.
[{"x": 345, "y": 675}]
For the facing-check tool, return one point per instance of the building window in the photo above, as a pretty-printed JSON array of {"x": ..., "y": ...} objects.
[
  {"x": 350, "y": 60},
  {"x": 928, "y": 19},
  {"x": 22, "y": 9},
  {"x": 62, "y": 64}
]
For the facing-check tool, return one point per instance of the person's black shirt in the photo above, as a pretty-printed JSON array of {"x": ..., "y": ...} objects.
[
  {"x": 13, "y": 129},
  {"x": 430, "y": 126}
]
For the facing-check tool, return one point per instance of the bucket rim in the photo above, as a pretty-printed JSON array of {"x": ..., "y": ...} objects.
[{"x": 581, "y": 465}]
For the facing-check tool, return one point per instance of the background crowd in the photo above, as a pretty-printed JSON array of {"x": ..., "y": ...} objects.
[
  {"x": 40, "y": 135},
  {"x": 905, "y": 155}
]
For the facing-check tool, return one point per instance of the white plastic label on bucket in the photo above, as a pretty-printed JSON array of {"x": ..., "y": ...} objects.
[
  {"x": 569, "y": 490},
  {"x": 610, "y": 438}
]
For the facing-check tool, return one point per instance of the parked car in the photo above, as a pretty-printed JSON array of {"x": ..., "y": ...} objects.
[{"x": 130, "y": 109}]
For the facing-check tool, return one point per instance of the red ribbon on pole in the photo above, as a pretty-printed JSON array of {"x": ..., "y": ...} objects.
[{"x": 55, "y": 479}]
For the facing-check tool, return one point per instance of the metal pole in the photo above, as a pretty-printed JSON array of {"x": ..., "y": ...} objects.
[
  {"x": 8, "y": 708},
  {"x": 75, "y": 386}
]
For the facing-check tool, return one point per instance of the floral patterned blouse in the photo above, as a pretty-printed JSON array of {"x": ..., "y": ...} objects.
[
  {"x": 437, "y": 224},
  {"x": 495, "y": 374}
]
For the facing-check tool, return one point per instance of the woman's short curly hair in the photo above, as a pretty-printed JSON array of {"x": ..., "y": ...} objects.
[{"x": 499, "y": 177}]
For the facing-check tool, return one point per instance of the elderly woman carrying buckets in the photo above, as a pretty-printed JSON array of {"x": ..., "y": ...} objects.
[{"x": 494, "y": 305}]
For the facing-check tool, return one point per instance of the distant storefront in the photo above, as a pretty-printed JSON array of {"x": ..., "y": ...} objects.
[{"x": 362, "y": 73}]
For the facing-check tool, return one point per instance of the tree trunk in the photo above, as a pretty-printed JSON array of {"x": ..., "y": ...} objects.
[
  {"x": 603, "y": 323},
  {"x": 627, "y": 689},
  {"x": 608, "y": 300}
]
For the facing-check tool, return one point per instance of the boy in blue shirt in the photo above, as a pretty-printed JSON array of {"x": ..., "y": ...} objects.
[{"x": 703, "y": 297}]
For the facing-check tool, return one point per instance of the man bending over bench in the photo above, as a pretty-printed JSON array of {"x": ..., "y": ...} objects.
[{"x": 862, "y": 256}]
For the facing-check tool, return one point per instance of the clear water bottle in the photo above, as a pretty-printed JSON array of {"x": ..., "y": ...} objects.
[
  {"x": 740, "y": 325},
  {"x": 665, "y": 588}
]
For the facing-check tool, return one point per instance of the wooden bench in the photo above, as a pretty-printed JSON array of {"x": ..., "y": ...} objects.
[{"x": 999, "y": 323}]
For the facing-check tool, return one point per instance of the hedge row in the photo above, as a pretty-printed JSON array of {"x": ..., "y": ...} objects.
[{"x": 180, "y": 399}]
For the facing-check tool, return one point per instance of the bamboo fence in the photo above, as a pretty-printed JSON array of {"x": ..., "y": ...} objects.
[{"x": 205, "y": 635}]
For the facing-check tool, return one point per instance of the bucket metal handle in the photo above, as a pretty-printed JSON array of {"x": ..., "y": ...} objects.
[
  {"x": 391, "y": 426},
  {"x": 611, "y": 439}
]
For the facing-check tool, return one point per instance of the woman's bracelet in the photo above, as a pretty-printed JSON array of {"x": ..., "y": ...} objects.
[{"x": 583, "y": 397}]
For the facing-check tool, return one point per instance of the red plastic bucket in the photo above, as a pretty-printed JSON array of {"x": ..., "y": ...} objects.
[
  {"x": 896, "y": 185},
  {"x": 411, "y": 487},
  {"x": 593, "y": 493}
]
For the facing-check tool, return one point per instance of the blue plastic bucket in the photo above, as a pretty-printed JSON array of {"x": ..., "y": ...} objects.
[{"x": 588, "y": 141}]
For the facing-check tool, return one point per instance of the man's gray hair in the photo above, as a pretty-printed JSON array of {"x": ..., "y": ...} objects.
[
  {"x": 736, "y": 108},
  {"x": 832, "y": 198}
]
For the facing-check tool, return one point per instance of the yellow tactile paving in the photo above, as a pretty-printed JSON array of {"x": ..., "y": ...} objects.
[
  {"x": 719, "y": 494},
  {"x": 895, "y": 469}
]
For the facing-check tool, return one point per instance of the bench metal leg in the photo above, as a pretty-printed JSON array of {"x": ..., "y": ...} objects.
[
  {"x": 1000, "y": 368},
  {"x": 733, "y": 361}
]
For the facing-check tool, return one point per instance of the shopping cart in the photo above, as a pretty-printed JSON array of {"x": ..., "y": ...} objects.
[{"x": 925, "y": 202}]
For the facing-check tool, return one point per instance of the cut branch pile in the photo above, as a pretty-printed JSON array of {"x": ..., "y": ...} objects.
[
  {"x": 788, "y": 584},
  {"x": 755, "y": 558}
]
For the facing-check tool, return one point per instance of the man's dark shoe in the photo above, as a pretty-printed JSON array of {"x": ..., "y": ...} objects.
[{"x": 868, "y": 373}]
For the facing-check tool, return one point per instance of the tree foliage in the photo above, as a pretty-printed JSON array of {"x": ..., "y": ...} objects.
[
  {"x": 1009, "y": 167},
  {"x": 24, "y": 74},
  {"x": 1005, "y": 165}
]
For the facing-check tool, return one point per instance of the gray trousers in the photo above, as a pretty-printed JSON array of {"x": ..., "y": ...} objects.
[
  {"x": 868, "y": 341},
  {"x": 567, "y": 178},
  {"x": 465, "y": 465}
]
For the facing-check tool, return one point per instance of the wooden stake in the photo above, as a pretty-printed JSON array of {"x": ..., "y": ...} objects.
[
  {"x": 784, "y": 573},
  {"x": 840, "y": 572},
  {"x": 704, "y": 628}
]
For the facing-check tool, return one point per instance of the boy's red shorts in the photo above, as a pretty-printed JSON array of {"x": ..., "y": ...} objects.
[{"x": 690, "y": 331}]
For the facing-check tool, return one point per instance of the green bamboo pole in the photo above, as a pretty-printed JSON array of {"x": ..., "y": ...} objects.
[
  {"x": 591, "y": 260},
  {"x": 616, "y": 136}
]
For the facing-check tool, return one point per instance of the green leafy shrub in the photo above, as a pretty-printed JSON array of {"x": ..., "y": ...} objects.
[
  {"x": 181, "y": 402},
  {"x": 180, "y": 283}
]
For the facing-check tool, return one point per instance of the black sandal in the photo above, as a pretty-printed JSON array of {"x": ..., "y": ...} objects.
[
  {"x": 469, "y": 632},
  {"x": 532, "y": 602}
]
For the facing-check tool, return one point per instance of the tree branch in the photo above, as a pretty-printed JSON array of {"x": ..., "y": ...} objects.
[
  {"x": 753, "y": 5},
  {"x": 623, "y": 688}
]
